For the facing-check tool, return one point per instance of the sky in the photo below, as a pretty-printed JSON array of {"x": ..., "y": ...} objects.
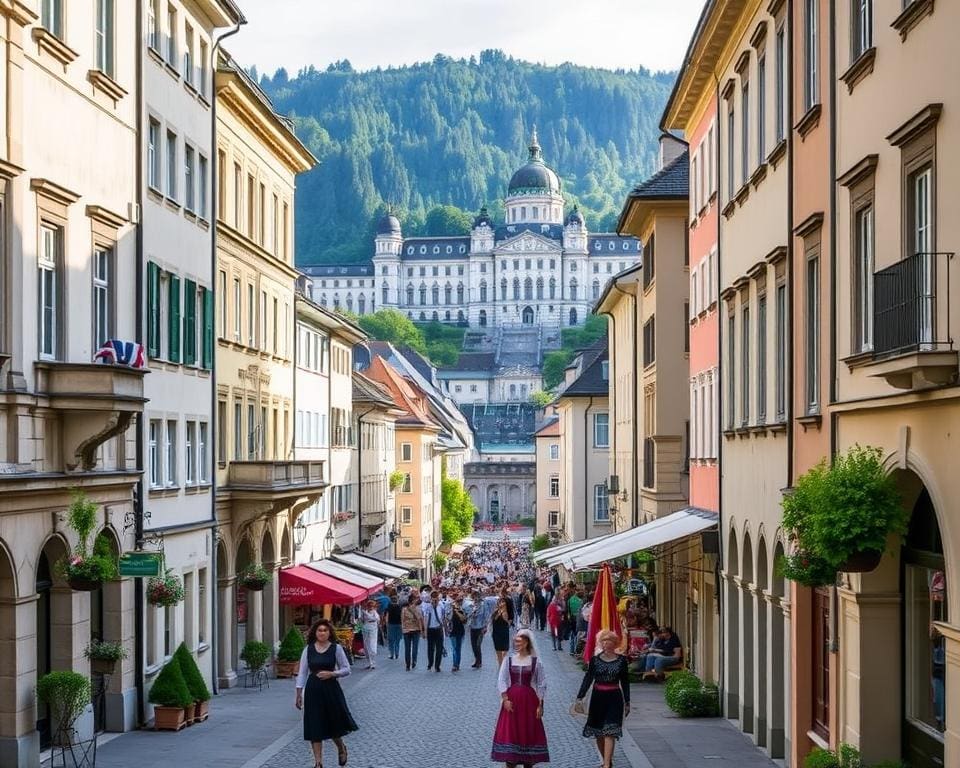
[{"x": 602, "y": 33}]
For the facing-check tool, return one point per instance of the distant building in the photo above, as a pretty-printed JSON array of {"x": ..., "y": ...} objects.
[
  {"x": 549, "y": 466},
  {"x": 537, "y": 267}
]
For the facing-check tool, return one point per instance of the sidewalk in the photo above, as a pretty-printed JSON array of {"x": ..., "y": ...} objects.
[{"x": 668, "y": 741}]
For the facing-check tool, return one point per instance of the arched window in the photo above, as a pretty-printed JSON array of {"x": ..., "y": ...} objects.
[
  {"x": 573, "y": 317},
  {"x": 460, "y": 316},
  {"x": 361, "y": 304},
  {"x": 513, "y": 391},
  {"x": 435, "y": 293},
  {"x": 573, "y": 290},
  {"x": 446, "y": 315},
  {"x": 528, "y": 289},
  {"x": 596, "y": 289},
  {"x": 447, "y": 293},
  {"x": 483, "y": 318},
  {"x": 539, "y": 288},
  {"x": 503, "y": 289},
  {"x": 385, "y": 299},
  {"x": 423, "y": 317},
  {"x": 553, "y": 288},
  {"x": 483, "y": 290},
  {"x": 459, "y": 293},
  {"x": 523, "y": 212},
  {"x": 435, "y": 317},
  {"x": 423, "y": 294},
  {"x": 516, "y": 288},
  {"x": 323, "y": 299},
  {"x": 336, "y": 301},
  {"x": 350, "y": 302},
  {"x": 409, "y": 295}
]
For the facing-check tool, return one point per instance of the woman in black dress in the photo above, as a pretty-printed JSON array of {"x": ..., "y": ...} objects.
[
  {"x": 500, "y": 630},
  {"x": 610, "y": 700},
  {"x": 319, "y": 695}
]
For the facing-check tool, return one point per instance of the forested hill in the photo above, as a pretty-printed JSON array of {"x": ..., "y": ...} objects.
[{"x": 451, "y": 132}]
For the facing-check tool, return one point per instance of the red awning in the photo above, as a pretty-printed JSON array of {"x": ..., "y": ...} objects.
[{"x": 300, "y": 585}]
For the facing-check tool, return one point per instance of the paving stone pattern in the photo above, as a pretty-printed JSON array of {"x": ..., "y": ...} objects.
[{"x": 436, "y": 720}]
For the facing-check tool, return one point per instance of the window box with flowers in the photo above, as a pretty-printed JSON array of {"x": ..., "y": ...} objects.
[
  {"x": 166, "y": 590},
  {"x": 339, "y": 518},
  {"x": 254, "y": 577}
]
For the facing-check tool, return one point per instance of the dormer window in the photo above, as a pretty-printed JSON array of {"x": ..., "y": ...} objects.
[
  {"x": 436, "y": 249},
  {"x": 423, "y": 249},
  {"x": 596, "y": 245},
  {"x": 410, "y": 250},
  {"x": 449, "y": 249}
]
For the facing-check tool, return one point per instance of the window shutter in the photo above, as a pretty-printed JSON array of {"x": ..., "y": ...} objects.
[
  {"x": 207, "y": 328},
  {"x": 189, "y": 322},
  {"x": 153, "y": 310},
  {"x": 173, "y": 353}
]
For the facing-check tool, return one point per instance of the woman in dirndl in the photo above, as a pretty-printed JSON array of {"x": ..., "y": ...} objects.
[
  {"x": 610, "y": 700},
  {"x": 319, "y": 695},
  {"x": 519, "y": 738}
]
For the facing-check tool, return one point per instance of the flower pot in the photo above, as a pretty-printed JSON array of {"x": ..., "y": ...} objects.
[
  {"x": 168, "y": 718},
  {"x": 103, "y": 666},
  {"x": 862, "y": 562},
  {"x": 256, "y": 585},
  {"x": 78, "y": 584},
  {"x": 286, "y": 668},
  {"x": 201, "y": 711},
  {"x": 188, "y": 714}
]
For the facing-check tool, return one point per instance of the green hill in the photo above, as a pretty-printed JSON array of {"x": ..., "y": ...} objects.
[{"x": 451, "y": 132}]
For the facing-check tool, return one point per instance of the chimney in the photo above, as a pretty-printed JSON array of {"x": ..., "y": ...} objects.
[{"x": 670, "y": 149}]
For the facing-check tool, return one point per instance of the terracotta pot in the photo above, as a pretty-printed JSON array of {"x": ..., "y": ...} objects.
[
  {"x": 103, "y": 666},
  {"x": 286, "y": 668},
  {"x": 168, "y": 718},
  {"x": 862, "y": 562},
  {"x": 201, "y": 711},
  {"x": 84, "y": 585},
  {"x": 255, "y": 585}
]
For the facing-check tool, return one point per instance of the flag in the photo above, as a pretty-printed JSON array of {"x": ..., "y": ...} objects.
[{"x": 603, "y": 613}]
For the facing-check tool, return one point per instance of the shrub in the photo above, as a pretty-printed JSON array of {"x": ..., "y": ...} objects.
[
  {"x": 689, "y": 696},
  {"x": 292, "y": 646},
  {"x": 679, "y": 680},
  {"x": 396, "y": 479},
  {"x": 103, "y": 650},
  {"x": 191, "y": 674},
  {"x": 846, "y": 756},
  {"x": 256, "y": 654},
  {"x": 538, "y": 542},
  {"x": 170, "y": 687},
  {"x": 439, "y": 561},
  {"x": 67, "y": 693}
]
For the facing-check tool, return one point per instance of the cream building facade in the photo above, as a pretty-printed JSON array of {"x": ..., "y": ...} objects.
[
  {"x": 67, "y": 196},
  {"x": 549, "y": 467}
]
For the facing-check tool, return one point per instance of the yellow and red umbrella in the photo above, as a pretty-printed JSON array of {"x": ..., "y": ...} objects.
[{"x": 603, "y": 613}]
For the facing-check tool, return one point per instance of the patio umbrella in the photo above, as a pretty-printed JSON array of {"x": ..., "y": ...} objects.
[{"x": 603, "y": 612}]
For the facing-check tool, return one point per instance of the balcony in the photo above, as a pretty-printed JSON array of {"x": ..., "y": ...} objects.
[
  {"x": 913, "y": 348},
  {"x": 95, "y": 401},
  {"x": 373, "y": 518},
  {"x": 275, "y": 479}
]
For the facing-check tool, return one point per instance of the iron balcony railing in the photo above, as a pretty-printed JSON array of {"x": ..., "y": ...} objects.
[{"x": 911, "y": 305}]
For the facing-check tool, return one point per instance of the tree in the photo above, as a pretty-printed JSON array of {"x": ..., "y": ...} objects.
[
  {"x": 395, "y": 327},
  {"x": 447, "y": 220},
  {"x": 541, "y": 399},
  {"x": 554, "y": 364},
  {"x": 456, "y": 510}
]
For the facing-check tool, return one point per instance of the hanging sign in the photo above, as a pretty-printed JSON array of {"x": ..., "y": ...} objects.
[{"x": 140, "y": 564}]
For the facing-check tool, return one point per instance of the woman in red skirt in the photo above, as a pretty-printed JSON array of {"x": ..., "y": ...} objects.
[{"x": 519, "y": 738}]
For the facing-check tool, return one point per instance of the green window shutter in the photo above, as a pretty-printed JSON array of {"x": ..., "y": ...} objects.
[
  {"x": 173, "y": 352},
  {"x": 207, "y": 328},
  {"x": 153, "y": 310},
  {"x": 189, "y": 322}
]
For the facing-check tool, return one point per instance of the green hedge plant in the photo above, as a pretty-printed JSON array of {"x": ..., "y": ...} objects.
[
  {"x": 688, "y": 696},
  {"x": 292, "y": 646},
  {"x": 256, "y": 654},
  {"x": 170, "y": 688},
  {"x": 67, "y": 694},
  {"x": 192, "y": 675}
]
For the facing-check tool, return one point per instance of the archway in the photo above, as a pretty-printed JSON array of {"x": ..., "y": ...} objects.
[
  {"x": 226, "y": 659},
  {"x": 483, "y": 318},
  {"x": 270, "y": 616},
  {"x": 573, "y": 317},
  {"x": 747, "y": 608},
  {"x": 8, "y": 638},
  {"x": 763, "y": 618},
  {"x": 528, "y": 315},
  {"x": 779, "y": 701},
  {"x": 242, "y": 613},
  {"x": 54, "y": 646},
  {"x": 493, "y": 507},
  {"x": 732, "y": 644}
]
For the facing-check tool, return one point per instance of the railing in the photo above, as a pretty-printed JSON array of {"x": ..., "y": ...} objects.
[
  {"x": 906, "y": 311},
  {"x": 270, "y": 474}
]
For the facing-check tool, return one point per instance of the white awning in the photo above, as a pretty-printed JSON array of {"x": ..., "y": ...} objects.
[
  {"x": 678, "y": 525},
  {"x": 370, "y": 564},
  {"x": 554, "y": 555},
  {"x": 347, "y": 574}
]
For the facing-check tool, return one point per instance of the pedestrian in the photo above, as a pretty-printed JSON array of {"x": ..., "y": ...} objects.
[
  {"x": 540, "y": 603},
  {"x": 574, "y": 604},
  {"x": 458, "y": 628},
  {"x": 319, "y": 695},
  {"x": 393, "y": 620},
  {"x": 610, "y": 701},
  {"x": 479, "y": 623},
  {"x": 501, "y": 630},
  {"x": 411, "y": 622},
  {"x": 433, "y": 619},
  {"x": 555, "y": 622},
  {"x": 370, "y": 622},
  {"x": 519, "y": 738}
]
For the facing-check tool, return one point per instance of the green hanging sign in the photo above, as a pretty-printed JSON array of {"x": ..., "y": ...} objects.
[{"x": 140, "y": 564}]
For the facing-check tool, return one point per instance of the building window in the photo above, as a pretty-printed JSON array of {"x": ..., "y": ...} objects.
[
  {"x": 555, "y": 487},
  {"x": 102, "y": 296},
  {"x": 731, "y": 376},
  {"x": 920, "y": 209},
  {"x": 251, "y": 432},
  {"x": 221, "y": 431},
  {"x": 601, "y": 510},
  {"x": 49, "y": 277},
  {"x": 202, "y": 187},
  {"x": 170, "y": 453},
  {"x": 649, "y": 462},
  {"x": 745, "y": 365},
  {"x": 188, "y": 57},
  {"x": 554, "y": 452},
  {"x": 862, "y": 32},
  {"x": 781, "y": 360},
  {"x": 103, "y": 37},
  {"x": 761, "y": 108},
  {"x": 202, "y": 606},
  {"x": 811, "y": 52},
  {"x": 237, "y": 431},
  {"x": 51, "y": 17},
  {"x": 189, "y": 172},
  {"x": 745, "y": 132},
  {"x": 202, "y": 447},
  {"x": 153, "y": 27},
  {"x": 204, "y": 53},
  {"x": 781, "y": 104},
  {"x": 649, "y": 342},
  {"x": 863, "y": 279},
  {"x": 154, "y": 451},
  {"x": 172, "y": 167},
  {"x": 601, "y": 430},
  {"x": 406, "y": 451},
  {"x": 649, "y": 260},
  {"x": 153, "y": 154},
  {"x": 407, "y": 484},
  {"x": 172, "y": 36},
  {"x": 811, "y": 337},
  {"x": 406, "y": 515},
  {"x": 190, "y": 457},
  {"x": 731, "y": 125},
  {"x": 762, "y": 360}
]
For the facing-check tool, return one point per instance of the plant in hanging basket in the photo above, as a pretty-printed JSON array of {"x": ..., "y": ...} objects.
[
  {"x": 806, "y": 569},
  {"x": 165, "y": 590},
  {"x": 85, "y": 570},
  {"x": 254, "y": 577},
  {"x": 104, "y": 656},
  {"x": 841, "y": 516}
]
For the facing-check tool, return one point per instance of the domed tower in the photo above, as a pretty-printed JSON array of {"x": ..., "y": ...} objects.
[
  {"x": 533, "y": 196},
  {"x": 481, "y": 236},
  {"x": 575, "y": 232},
  {"x": 387, "y": 246}
]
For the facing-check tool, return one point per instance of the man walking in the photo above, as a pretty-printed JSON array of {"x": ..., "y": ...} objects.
[
  {"x": 434, "y": 616},
  {"x": 479, "y": 623}
]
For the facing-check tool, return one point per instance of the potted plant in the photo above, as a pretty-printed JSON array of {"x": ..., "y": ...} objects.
[
  {"x": 195, "y": 683},
  {"x": 171, "y": 698},
  {"x": 104, "y": 656},
  {"x": 165, "y": 590},
  {"x": 255, "y": 654},
  {"x": 839, "y": 518},
  {"x": 68, "y": 695},
  {"x": 254, "y": 577},
  {"x": 86, "y": 570},
  {"x": 396, "y": 479},
  {"x": 288, "y": 656}
]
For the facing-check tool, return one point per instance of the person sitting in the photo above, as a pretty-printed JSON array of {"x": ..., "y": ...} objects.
[{"x": 665, "y": 653}]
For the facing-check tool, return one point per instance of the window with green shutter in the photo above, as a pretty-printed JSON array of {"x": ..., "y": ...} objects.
[
  {"x": 173, "y": 353},
  {"x": 207, "y": 328},
  {"x": 189, "y": 322},
  {"x": 153, "y": 310}
]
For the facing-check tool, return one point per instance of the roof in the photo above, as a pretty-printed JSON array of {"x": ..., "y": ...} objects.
[
  {"x": 550, "y": 428},
  {"x": 418, "y": 361},
  {"x": 432, "y": 248},
  {"x": 613, "y": 285},
  {"x": 366, "y": 390},
  {"x": 473, "y": 361},
  {"x": 404, "y": 393},
  {"x": 670, "y": 184},
  {"x": 535, "y": 176},
  {"x": 364, "y": 269},
  {"x": 591, "y": 381}
]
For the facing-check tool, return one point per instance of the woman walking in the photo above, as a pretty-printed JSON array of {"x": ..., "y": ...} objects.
[
  {"x": 610, "y": 700},
  {"x": 500, "y": 630},
  {"x": 394, "y": 623},
  {"x": 370, "y": 620},
  {"x": 411, "y": 622},
  {"x": 519, "y": 738},
  {"x": 555, "y": 622},
  {"x": 319, "y": 695}
]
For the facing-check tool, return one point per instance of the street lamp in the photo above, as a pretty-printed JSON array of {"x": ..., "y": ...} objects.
[{"x": 299, "y": 533}]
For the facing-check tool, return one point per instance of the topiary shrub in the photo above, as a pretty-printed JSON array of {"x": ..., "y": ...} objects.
[
  {"x": 170, "y": 687},
  {"x": 292, "y": 646},
  {"x": 256, "y": 654},
  {"x": 67, "y": 694},
  {"x": 191, "y": 674},
  {"x": 688, "y": 696}
]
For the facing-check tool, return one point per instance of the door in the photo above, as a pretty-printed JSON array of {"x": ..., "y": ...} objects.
[
  {"x": 820, "y": 646},
  {"x": 528, "y": 315}
]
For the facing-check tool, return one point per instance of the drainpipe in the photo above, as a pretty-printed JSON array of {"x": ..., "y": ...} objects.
[
  {"x": 586, "y": 456},
  {"x": 214, "y": 203},
  {"x": 139, "y": 662}
]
